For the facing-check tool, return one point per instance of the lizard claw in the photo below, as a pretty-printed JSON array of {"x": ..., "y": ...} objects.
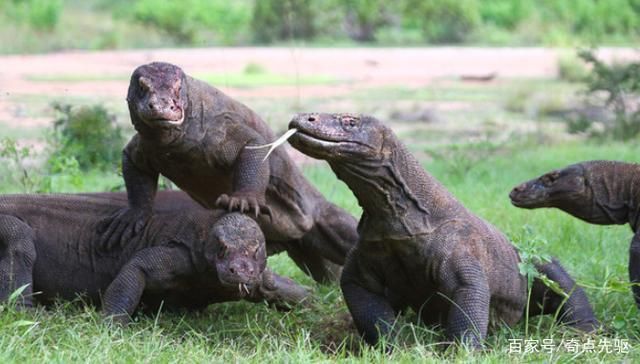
[
  {"x": 244, "y": 203},
  {"x": 267, "y": 211},
  {"x": 121, "y": 226},
  {"x": 223, "y": 201}
]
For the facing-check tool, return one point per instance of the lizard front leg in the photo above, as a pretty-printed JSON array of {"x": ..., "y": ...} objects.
[
  {"x": 141, "y": 191},
  {"x": 634, "y": 267},
  {"x": 573, "y": 310},
  {"x": 154, "y": 268},
  {"x": 17, "y": 259},
  {"x": 372, "y": 312},
  {"x": 470, "y": 296},
  {"x": 250, "y": 174}
]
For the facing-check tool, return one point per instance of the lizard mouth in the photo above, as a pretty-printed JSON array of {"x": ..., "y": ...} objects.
[
  {"x": 301, "y": 138},
  {"x": 167, "y": 122},
  {"x": 322, "y": 148},
  {"x": 524, "y": 200}
]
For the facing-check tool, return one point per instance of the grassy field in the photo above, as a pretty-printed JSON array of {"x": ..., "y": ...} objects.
[{"x": 476, "y": 147}]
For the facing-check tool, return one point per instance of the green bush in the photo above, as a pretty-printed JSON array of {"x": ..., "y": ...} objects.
[
  {"x": 617, "y": 89},
  {"x": 506, "y": 14},
  {"x": 572, "y": 69},
  {"x": 282, "y": 19},
  {"x": 89, "y": 134},
  {"x": 23, "y": 172},
  {"x": 364, "y": 17},
  {"x": 444, "y": 21},
  {"x": 191, "y": 20},
  {"x": 39, "y": 14}
]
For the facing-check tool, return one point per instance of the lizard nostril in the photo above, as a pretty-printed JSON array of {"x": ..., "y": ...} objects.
[
  {"x": 151, "y": 106},
  {"x": 311, "y": 118}
]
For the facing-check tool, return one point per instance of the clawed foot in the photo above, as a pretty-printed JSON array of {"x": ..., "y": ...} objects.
[
  {"x": 244, "y": 203},
  {"x": 121, "y": 226}
]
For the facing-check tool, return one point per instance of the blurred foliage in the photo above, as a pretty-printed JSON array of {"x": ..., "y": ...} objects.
[
  {"x": 23, "y": 172},
  {"x": 89, "y": 134},
  {"x": 443, "y": 21},
  {"x": 282, "y": 19},
  {"x": 38, "y": 14},
  {"x": 571, "y": 68},
  {"x": 153, "y": 23},
  {"x": 190, "y": 20},
  {"x": 613, "y": 89}
]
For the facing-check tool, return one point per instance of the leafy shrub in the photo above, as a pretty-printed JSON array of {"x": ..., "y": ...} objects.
[
  {"x": 614, "y": 88},
  {"x": 24, "y": 173},
  {"x": 444, "y": 21},
  {"x": 89, "y": 134},
  {"x": 505, "y": 14},
  {"x": 572, "y": 69},
  {"x": 39, "y": 14},
  {"x": 364, "y": 17},
  {"x": 282, "y": 19},
  {"x": 188, "y": 20}
]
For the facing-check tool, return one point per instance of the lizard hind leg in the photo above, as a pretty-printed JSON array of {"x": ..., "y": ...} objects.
[
  {"x": 572, "y": 309},
  {"x": 17, "y": 257}
]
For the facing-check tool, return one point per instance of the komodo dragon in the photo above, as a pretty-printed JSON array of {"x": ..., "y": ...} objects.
[
  {"x": 186, "y": 259},
  {"x": 419, "y": 246},
  {"x": 598, "y": 192},
  {"x": 196, "y": 136}
]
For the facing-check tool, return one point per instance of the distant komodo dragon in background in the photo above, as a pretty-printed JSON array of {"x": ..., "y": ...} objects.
[
  {"x": 187, "y": 259},
  {"x": 598, "y": 192},
  {"x": 196, "y": 136},
  {"x": 419, "y": 246}
]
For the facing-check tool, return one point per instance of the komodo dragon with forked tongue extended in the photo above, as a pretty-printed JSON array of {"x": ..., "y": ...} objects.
[
  {"x": 202, "y": 140},
  {"x": 598, "y": 192},
  {"x": 186, "y": 259},
  {"x": 419, "y": 246}
]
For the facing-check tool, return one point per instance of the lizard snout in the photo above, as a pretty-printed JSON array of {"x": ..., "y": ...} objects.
[{"x": 241, "y": 267}]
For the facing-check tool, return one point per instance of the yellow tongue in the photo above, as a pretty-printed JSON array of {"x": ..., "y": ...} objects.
[{"x": 275, "y": 144}]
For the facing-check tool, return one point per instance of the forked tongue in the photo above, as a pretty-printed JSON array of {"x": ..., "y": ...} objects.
[{"x": 275, "y": 144}]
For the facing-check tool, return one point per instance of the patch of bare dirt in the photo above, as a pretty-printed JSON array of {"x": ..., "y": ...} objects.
[{"x": 357, "y": 69}]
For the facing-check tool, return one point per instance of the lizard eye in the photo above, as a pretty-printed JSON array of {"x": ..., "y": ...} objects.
[
  {"x": 349, "y": 122},
  {"x": 145, "y": 83},
  {"x": 549, "y": 178}
]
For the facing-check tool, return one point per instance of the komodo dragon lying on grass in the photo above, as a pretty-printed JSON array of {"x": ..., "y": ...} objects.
[
  {"x": 419, "y": 246},
  {"x": 188, "y": 259},
  {"x": 598, "y": 192},
  {"x": 197, "y": 136}
]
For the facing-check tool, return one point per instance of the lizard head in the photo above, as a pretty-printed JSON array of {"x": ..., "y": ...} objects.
[
  {"x": 237, "y": 250},
  {"x": 550, "y": 188},
  {"x": 339, "y": 136},
  {"x": 157, "y": 95}
]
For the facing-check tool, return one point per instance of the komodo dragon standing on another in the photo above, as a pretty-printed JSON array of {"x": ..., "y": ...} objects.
[
  {"x": 598, "y": 192},
  {"x": 197, "y": 136},
  {"x": 186, "y": 259},
  {"x": 419, "y": 246}
]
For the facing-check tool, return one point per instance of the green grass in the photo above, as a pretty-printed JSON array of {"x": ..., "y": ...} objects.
[
  {"x": 238, "y": 332},
  {"x": 479, "y": 174}
]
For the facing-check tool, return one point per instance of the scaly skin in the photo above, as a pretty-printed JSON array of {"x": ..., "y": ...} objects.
[
  {"x": 186, "y": 258},
  {"x": 197, "y": 136},
  {"x": 598, "y": 192},
  {"x": 419, "y": 247}
]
